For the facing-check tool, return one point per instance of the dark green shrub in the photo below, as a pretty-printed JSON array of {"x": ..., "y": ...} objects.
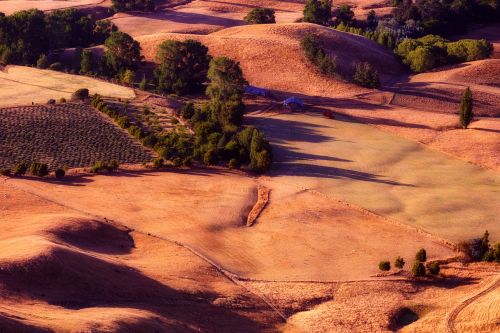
[
  {"x": 210, "y": 157},
  {"x": 38, "y": 169},
  {"x": 128, "y": 5},
  {"x": 314, "y": 52},
  {"x": 113, "y": 165},
  {"x": 99, "y": 166},
  {"x": 465, "y": 112},
  {"x": 366, "y": 76},
  {"x": 122, "y": 52},
  {"x": 5, "y": 172},
  {"x": 56, "y": 66},
  {"x": 149, "y": 140},
  {"x": 187, "y": 111},
  {"x": 318, "y": 11},
  {"x": 399, "y": 263},
  {"x": 20, "y": 169},
  {"x": 434, "y": 268},
  {"x": 87, "y": 62},
  {"x": 123, "y": 122},
  {"x": 418, "y": 269},
  {"x": 384, "y": 265},
  {"x": 158, "y": 163},
  {"x": 493, "y": 254},
  {"x": 42, "y": 62},
  {"x": 187, "y": 162},
  {"x": 234, "y": 164},
  {"x": 177, "y": 162},
  {"x": 421, "y": 255},
  {"x": 62, "y": 100},
  {"x": 51, "y": 101},
  {"x": 80, "y": 95},
  {"x": 60, "y": 173},
  {"x": 260, "y": 16},
  {"x": 135, "y": 131}
]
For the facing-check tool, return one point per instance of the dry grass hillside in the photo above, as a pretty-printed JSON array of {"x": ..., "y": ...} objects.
[
  {"x": 264, "y": 50},
  {"x": 12, "y": 6},
  {"x": 442, "y": 88}
]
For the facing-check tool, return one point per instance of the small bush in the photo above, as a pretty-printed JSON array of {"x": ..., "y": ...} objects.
[
  {"x": 51, "y": 101},
  {"x": 418, "y": 269},
  {"x": 234, "y": 164},
  {"x": 312, "y": 47},
  {"x": 210, "y": 157},
  {"x": 366, "y": 76},
  {"x": 260, "y": 16},
  {"x": 60, "y": 173},
  {"x": 5, "y": 172},
  {"x": 62, "y": 100},
  {"x": 421, "y": 255},
  {"x": 38, "y": 169},
  {"x": 20, "y": 169},
  {"x": 187, "y": 162},
  {"x": 42, "y": 62},
  {"x": 80, "y": 95},
  {"x": 158, "y": 163},
  {"x": 177, "y": 162},
  {"x": 384, "y": 265},
  {"x": 56, "y": 66},
  {"x": 123, "y": 122},
  {"x": 434, "y": 268},
  {"x": 399, "y": 263},
  {"x": 99, "y": 166},
  {"x": 113, "y": 165}
]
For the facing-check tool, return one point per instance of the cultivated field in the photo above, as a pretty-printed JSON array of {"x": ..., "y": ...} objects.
[
  {"x": 73, "y": 135},
  {"x": 25, "y": 85},
  {"x": 11, "y": 6}
]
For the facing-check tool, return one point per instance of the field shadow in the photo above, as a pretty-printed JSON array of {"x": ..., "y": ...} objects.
[
  {"x": 189, "y": 18},
  {"x": 449, "y": 282},
  {"x": 75, "y": 280}
]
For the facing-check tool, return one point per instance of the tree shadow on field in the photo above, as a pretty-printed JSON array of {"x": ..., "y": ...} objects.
[
  {"x": 83, "y": 179},
  {"x": 449, "y": 282},
  {"x": 190, "y": 18}
]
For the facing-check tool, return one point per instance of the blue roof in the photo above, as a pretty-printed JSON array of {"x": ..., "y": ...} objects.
[{"x": 293, "y": 100}]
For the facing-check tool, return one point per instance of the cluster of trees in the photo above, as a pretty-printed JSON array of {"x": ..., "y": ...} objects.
[
  {"x": 29, "y": 35},
  {"x": 129, "y": 5},
  {"x": 364, "y": 74},
  {"x": 217, "y": 124},
  {"x": 431, "y": 51},
  {"x": 480, "y": 249},
  {"x": 260, "y": 16},
  {"x": 446, "y": 18},
  {"x": 418, "y": 268},
  {"x": 34, "y": 169}
]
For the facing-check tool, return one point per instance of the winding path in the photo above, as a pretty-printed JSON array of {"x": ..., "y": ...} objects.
[{"x": 456, "y": 311}]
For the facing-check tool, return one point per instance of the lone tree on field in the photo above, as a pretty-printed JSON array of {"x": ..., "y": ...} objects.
[
  {"x": 421, "y": 255},
  {"x": 465, "y": 111},
  {"x": 260, "y": 16},
  {"x": 434, "y": 268},
  {"x": 318, "y": 11},
  {"x": 384, "y": 265},
  {"x": 418, "y": 269},
  {"x": 399, "y": 263}
]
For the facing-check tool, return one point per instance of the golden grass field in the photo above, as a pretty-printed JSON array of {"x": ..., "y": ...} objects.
[
  {"x": 26, "y": 85},
  {"x": 155, "y": 251}
]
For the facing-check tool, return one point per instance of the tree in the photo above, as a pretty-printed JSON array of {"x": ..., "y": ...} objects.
[
  {"x": 87, "y": 62},
  {"x": 122, "y": 52},
  {"x": 434, "y": 268},
  {"x": 421, "y": 255},
  {"x": 318, "y": 11},
  {"x": 260, "y": 16},
  {"x": 314, "y": 52},
  {"x": 182, "y": 66},
  {"x": 260, "y": 152},
  {"x": 80, "y": 95},
  {"x": 226, "y": 79},
  {"x": 399, "y": 263},
  {"x": 128, "y": 77},
  {"x": 102, "y": 30},
  {"x": 418, "y": 269},
  {"x": 371, "y": 20},
  {"x": 465, "y": 111},
  {"x": 366, "y": 76},
  {"x": 128, "y": 5},
  {"x": 345, "y": 14},
  {"x": 39, "y": 169},
  {"x": 384, "y": 265},
  {"x": 42, "y": 62},
  {"x": 143, "y": 83}
]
